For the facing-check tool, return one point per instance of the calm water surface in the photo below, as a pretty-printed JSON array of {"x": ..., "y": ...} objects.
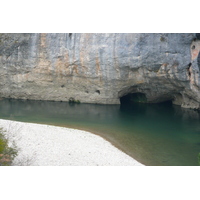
[{"x": 153, "y": 134}]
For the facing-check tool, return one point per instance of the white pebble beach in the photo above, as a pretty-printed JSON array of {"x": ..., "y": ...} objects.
[{"x": 46, "y": 145}]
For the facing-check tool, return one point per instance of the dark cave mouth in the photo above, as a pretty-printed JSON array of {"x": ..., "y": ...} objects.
[{"x": 132, "y": 98}]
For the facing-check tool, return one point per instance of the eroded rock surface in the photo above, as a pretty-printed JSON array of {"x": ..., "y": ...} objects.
[{"x": 101, "y": 68}]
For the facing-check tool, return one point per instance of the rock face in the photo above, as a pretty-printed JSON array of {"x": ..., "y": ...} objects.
[{"x": 101, "y": 68}]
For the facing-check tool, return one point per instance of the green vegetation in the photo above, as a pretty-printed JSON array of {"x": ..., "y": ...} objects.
[
  {"x": 72, "y": 100},
  {"x": 7, "y": 154},
  {"x": 199, "y": 159},
  {"x": 162, "y": 39}
]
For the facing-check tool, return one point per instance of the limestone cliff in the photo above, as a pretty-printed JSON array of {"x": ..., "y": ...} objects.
[{"x": 101, "y": 68}]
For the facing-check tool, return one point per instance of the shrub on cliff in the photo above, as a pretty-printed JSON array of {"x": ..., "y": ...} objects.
[
  {"x": 72, "y": 100},
  {"x": 7, "y": 154}
]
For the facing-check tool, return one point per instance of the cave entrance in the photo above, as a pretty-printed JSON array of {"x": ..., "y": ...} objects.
[
  {"x": 133, "y": 98},
  {"x": 139, "y": 97}
]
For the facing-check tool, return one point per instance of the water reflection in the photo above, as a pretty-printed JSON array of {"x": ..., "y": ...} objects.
[{"x": 154, "y": 134}]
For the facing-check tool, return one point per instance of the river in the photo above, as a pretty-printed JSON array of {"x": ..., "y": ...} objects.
[{"x": 153, "y": 134}]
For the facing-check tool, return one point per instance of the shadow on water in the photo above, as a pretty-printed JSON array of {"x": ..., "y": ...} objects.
[{"x": 153, "y": 134}]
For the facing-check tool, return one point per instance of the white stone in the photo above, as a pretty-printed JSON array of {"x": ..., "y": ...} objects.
[{"x": 44, "y": 145}]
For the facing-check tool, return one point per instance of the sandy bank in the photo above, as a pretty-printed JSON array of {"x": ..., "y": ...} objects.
[{"x": 45, "y": 145}]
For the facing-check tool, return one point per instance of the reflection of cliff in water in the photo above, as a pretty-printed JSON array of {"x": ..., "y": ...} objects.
[
  {"x": 48, "y": 108},
  {"x": 190, "y": 119},
  {"x": 186, "y": 114},
  {"x": 21, "y": 108},
  {"x": 161, "y": 109},
  {"x": 153, "y": 134}
]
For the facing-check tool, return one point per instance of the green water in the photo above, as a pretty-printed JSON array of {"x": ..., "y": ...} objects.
[{"x": 153, "y": 134}]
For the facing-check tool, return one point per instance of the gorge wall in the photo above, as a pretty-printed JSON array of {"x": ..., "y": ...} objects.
[{"x": 101, "y": 68}]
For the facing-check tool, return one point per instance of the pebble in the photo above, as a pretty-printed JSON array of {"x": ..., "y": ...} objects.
[{"x": 45, "y": 145}]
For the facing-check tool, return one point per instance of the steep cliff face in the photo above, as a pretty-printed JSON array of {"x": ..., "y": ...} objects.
[{"x": 101, "y": 68}]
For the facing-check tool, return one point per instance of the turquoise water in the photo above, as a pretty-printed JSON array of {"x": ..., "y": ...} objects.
[{"x": 153, "y": 134}]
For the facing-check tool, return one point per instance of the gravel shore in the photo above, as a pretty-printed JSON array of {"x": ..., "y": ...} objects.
[{"x": 45, "y": 145}]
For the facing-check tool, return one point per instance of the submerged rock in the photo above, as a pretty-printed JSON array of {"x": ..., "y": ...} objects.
[{"x": 101, "y": 68}]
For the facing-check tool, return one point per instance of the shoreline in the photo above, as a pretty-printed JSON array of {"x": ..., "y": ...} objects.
[{"x": 48, "y": 145}]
